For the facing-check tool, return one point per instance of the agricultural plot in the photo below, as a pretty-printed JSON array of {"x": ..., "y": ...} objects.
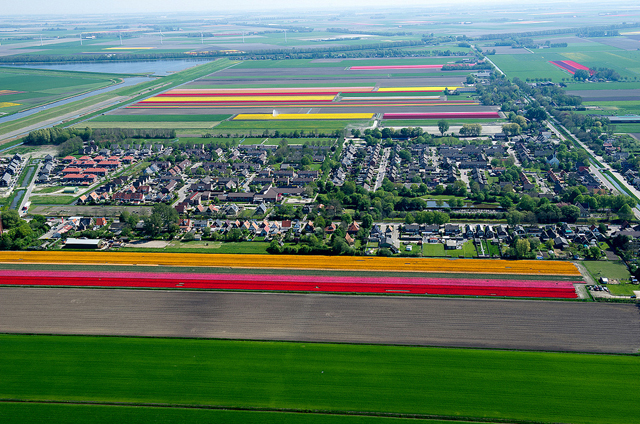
[
  {"x": 301, "y": 283},
  {"x": 523, "y": 267},
  {"x": 343, "y": 91},
  {"x": 25, "y": 89},
  {"x": 558, "y": 64},
  {"x": 309, "y": 282},
  {"x": 503, "y": 385}
]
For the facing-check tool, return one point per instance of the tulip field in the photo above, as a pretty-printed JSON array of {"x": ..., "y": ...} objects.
[
  {"x": 571, "y": 66},
  {"x": 410, "y": 276}
]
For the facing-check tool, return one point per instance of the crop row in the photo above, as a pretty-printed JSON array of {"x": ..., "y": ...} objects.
[
  {"x": 299, "y": 116},
  {"x": 322, "y": 284},
  {"x": 442, "y": 115},
  {"x": 349, "y": 263},
  {"x": 373, "y": 68}
]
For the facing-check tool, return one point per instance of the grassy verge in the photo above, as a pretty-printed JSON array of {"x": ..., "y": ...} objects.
[{"x": 488, "y": 384}]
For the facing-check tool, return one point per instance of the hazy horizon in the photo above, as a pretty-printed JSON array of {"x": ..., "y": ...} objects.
[{"x": 77, "y": 7}]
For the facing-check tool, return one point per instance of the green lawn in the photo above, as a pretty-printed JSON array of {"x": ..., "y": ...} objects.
[
  {"x": 205, "y": 246},
  {"x": 436, "y": 249},
  {"x": 489, "y": 384},
  {"x": 609, "y": 269},
  {"x": 469, "y": 250},
  {"x": 51, "y": 200}
]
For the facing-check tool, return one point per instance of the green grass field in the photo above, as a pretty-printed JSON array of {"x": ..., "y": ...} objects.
[
  {"x": 98, "y": 414},
  {"x": 152, "y": 124},
  {"x": 609, "y": 269},
  {"x": 627, "y": 128},
  {"x": 535, "y": 65},
  {"x": 37, "y": 87},
  {"x": 435, "y": 249},
  {"x": 505, "y": 385},
  {"x": 52, "y": 200},
  {"x": 136, "y": 93}
]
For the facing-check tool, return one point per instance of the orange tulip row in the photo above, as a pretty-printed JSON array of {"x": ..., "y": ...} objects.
[{"x": 348, "y": 263}]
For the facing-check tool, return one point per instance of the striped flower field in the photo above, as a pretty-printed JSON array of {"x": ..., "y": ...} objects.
[
  {"x": 343, "y": 263},
  {"x": 302, "y": 274},
  {"x": 294, "y": 283},
  {"x": 571, "y": 66}
]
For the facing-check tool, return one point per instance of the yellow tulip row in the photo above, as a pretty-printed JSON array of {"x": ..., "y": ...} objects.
[{"x": 348, "y": 263}]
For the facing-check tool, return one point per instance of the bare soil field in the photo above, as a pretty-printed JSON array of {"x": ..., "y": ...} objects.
[
  {"x": 606, "y": 95},
  {"x": 481, "y": 323}
]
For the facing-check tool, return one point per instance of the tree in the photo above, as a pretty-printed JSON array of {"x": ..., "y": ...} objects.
[
  {"x": 522, "y": 247},
  {"x": 409, "y": 219},
  {"x": 367, "y": 221},
  {"x": 506, "y": 202},
  {"x": 10, "y": 219},
  {"x": 443, "y": 126},
  {"x": 162, "y": 216},
  {"x": 625, "y": 212},
  {"x": 581, "y": 75},
  {"x": 472, "y": 130},
  {"x": 511, "y": 129},
  {"x": 570, "y": 213},
  {"x": 536, "y": 114},
  {"x": 593, "y": 252}
]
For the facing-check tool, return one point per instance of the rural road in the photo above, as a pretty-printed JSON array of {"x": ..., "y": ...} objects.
[{"x": 481, "y": 323}]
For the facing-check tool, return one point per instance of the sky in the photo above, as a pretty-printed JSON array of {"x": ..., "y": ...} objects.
[{"x": 43, "y": 7}]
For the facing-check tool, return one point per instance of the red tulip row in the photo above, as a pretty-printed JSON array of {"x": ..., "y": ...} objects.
[
  {"x": 443, "y": 115},
  {"x": 297, "y": 283}
]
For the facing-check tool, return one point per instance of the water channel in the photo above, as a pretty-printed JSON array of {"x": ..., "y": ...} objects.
[{"x": 151, "y": 67}]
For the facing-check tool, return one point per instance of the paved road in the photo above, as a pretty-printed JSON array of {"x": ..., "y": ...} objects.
[
  {"x": 382, "y": 170},
  {"x": 598, "y": 171},
  {"x": 486, "y": 323}
]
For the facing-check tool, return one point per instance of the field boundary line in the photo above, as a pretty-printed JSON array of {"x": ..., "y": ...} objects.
[{"x": 424, "y": 417}]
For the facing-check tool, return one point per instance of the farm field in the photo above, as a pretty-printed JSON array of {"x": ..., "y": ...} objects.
[
  {"x": 302, "y": 283},
  {"x": 22, "y": 89},
  {"x": 109, "y": 101},
  {"x": 160, "y": 118},
  {"x": 301, "y": 262},
  {"x": 315, "y": 91},
  {"x": 539, "y": 63},
  {"x": 398, "y": 319},
  {"x": 320, "y": 377},
  {"x": 99, "y": 414}
]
